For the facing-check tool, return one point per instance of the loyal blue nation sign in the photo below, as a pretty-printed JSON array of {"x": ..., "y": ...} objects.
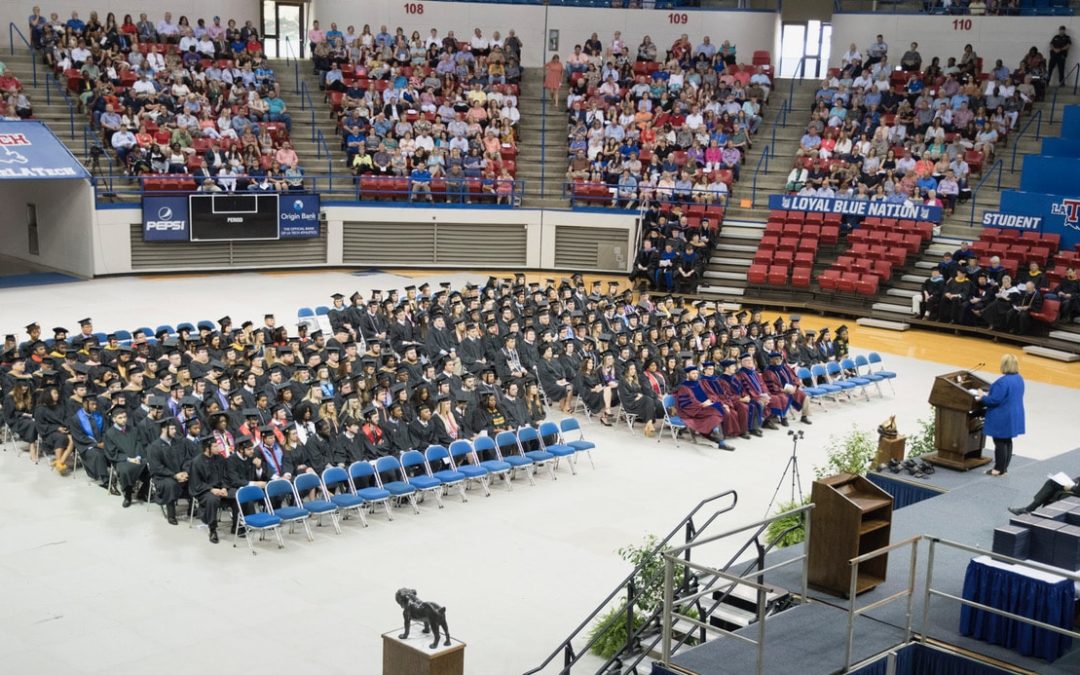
[
  {"x": 856, "y": 207},
  {"x": 28, "y": 150}
]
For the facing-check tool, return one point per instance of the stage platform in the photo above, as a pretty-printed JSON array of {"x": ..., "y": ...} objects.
[
  {"x": 907, "y": 489},
  {"x": 812, "y": 638}
]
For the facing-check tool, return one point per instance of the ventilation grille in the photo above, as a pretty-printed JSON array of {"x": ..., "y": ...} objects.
[
  {"x": 446, "y": 244},
  {"x": 590, "y": 248},
  {"x": 180, "y": 256}
]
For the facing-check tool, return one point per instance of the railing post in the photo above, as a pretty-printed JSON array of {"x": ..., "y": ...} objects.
[
  {"x": 543, "y": 141},
  {"x": 669, "y": 581},
  {"x": 927, "y": 594},
  {"x": 1038, "y": 124}
]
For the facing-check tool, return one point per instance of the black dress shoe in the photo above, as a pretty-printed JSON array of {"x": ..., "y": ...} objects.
[
  {"x": 745, "y": 437},
  {"x": 213, "y": 537},
  {"x": 783, "y": 422},
  {"x": 756, "y": 432},
  {"x": 1017, "y": 510},
  {"x": 805, "y": 420},
  {"x": 724, "y": 445},
  {"x": 127, "y": 500}
]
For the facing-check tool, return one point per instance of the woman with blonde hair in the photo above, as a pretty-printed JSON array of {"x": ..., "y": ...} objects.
[{"x": 1004, "y": 412}]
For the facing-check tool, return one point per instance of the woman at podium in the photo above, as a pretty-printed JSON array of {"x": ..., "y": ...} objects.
[{"x": 1004, "y": 412}]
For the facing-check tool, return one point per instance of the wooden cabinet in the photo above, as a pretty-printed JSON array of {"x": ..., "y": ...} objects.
[
  {"x": 413, "y": 656},
  {"x": 851, "y": 516}
]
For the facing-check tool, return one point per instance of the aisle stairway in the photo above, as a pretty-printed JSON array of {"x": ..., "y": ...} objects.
[{"x": 541, "y": 138}]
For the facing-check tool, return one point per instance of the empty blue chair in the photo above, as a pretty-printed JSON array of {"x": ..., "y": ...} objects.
[
  {"x": 465, "y": 460},
  {"x": 322, "y": 310},
  {"x": 398, "y": 487},
  {"x": 812, "y": 390},
  {"x": 836, "y": 377},
  {"x": 441, "y": 466},
  {"x": 421, "y": 479},
  {"x": 875, "y": 359},
  {"x": 259, "y": 521},
  {"x": 527, "y": 437},
  {"x": 579, "y": 444},
  {"x": 165, "y": 328},
  {"x": 100, "y": 337},
  {"x": 319, "y": 505},
  {"x": 851, "y": 375},
  {"x": 671, "y": 421},
  {"x": 862, "y": 369},
  {"x": 122, "y": 335},
  {"x": 817, "y": 371},
  {"x": 364, "y": 472},
  {"x": 336, "y": 481},
  {"x": 205, "y": 325},
  {"x": 290, "y": 514},
  {"x": 189, "y": 327},
  {"x": 147, "y": 331},
  {"x": 484, "y": 446},
  {"x": 509, "y": 451},
  {"x": 305, "y": 312},
  {"x": 551, "y": 440}
]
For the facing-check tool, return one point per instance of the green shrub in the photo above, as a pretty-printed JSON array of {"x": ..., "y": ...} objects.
[
  {"x": 788, "y": 530},
  {"x": 851, "y": 454},
  {"x": 921, "y": 443}
]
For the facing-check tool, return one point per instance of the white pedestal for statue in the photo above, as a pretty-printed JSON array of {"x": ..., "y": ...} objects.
[{"x": 413, "y": 656}]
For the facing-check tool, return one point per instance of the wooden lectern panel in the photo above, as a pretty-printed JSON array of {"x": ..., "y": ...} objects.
[{"x": 951, "y": 390}]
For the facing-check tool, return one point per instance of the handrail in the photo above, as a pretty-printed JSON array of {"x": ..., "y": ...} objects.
[
  {"x": 320, "y": 139},
  {"x": 764, "y": 158},
  {"x": 295, "y": 61},
  {"x": 1076, "y": 83},
  {"x": 999, "y": 165},
  {"x": 686, "y": 524},
  {"x": 307, "y": 104},
  {"x": 12, "y": 30},
  {"x": 1037, "y": 119},
  {"x": 781, "y": 111},
  {"x": 908, "y": 592},
  {"x": 67, "y": 99},
  {"x": 801, "y": 70},
  {"x": 543, "y": 141}
]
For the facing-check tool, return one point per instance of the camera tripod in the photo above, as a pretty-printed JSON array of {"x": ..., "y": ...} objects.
[{"x": 791, "y": 467}]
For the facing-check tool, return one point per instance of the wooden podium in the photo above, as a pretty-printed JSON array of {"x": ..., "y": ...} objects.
[
  {"x": 851, "y": 516},
  {"x": 958, "y": 427},
  {"x": 413, "y": 657}
]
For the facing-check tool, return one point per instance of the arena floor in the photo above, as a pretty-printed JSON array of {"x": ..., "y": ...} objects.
[{"x": 91, "y": 587}]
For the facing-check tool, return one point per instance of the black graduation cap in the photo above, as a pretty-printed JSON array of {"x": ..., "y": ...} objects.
[
  {"x": 83, "y": 322},
  {"x": 251, "y": 412},
  {"x": 398, "y": 387},
  {"x": 266, "y": 429},
  {"x": 56, "y": 331},
  {"x": 243, "y": 442},
  {"x": 117, "y": 409},
  {"x": 369, "y": 410},
  {"x": 337, "y": 296},
  {"x": 81, "y": 368},
  {"x": 32, "y": 327},
  {"x": 224, "y": 321},
  {"x": 189, "y": 401},
  {"x": 167, "y": 420}
]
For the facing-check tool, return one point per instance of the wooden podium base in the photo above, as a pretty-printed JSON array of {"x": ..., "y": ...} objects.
[
  {"x": 413, "y": 657},
  {"x": 956, "y": 461}
]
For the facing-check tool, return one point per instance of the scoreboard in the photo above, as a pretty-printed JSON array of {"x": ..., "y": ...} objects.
[{"x": 218, "y": 217}]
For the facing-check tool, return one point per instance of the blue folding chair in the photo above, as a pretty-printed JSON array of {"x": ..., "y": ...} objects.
[
  {"x": 336, "y": 481},
  {"x": 205, "y": 325},
  {"x": 422, "y": 480},
  {"x": 123, "y": 335},
  {"x": 441, "y": 466},
  {"x": 875, "y": 359},
  {"x": 851, "y": 375},
  {"x": 305, "y": 312},
  {"x": 496, "y": 466},
  {"x": 812, "y": 390},
  {"x": 322, "y": 310},
  {"x": 551, "y": 440},
  {"x": 527, "y": 437},
  {"x": 821, "y": 378},
  {"x": 372, "y": 494},
  {"x": 465, "y": 460},
  {"x": 862, "y": 367},
  {"x": 579, "y": 444},
  {"x": 290, "y": 514},
  {"x": 508, "y": 450},
  {"x": 166, "y": 328},
  {"x": 398, "y": 487},
  {"x": 259, "y": 521},
  {"x": 836, "y": 377},
  {"x": 319, "y": 505},
  {"x": 188, "y": 326},
  {"x": 672, "y": 422}
]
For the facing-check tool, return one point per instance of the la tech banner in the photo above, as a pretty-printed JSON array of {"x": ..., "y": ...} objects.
[{"x": 1059, "y": 214}]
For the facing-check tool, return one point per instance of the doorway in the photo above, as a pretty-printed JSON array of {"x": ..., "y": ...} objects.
[
  {"x": 283, "y": 29},
  {"x": 805, "y": 49}
]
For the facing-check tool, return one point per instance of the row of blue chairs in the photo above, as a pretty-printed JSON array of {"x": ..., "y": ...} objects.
[{"x": 435, "y": 471}]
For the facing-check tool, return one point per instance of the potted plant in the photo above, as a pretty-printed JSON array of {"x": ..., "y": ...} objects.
[
  {"x": 851, "y": 453},
  {"x": 791, "y": 529}
]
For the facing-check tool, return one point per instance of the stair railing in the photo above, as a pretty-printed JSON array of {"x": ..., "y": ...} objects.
[
  {"x": 295, "y": 60},
  {"x": 543, "y": 141},
  {"x": 757, "y": 169},
  {"x": 1074, "y": 73},
  {"x": 49, "y": 77},
  {"x": 307, "y": 104},
  {"x": 1037, "y": 119},
  {"x": 781, "y": 114},
  {"x": 13, "y": 30},
  {"x": 628, "y": 585},
  {"x": 321, "y": 147},
  {"x": 998, "y": 165}
]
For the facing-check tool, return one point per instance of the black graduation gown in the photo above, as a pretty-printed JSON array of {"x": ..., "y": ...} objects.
[
  {"x": 517, "y": 415},
  {"x": 47, "y": 421},
  {"x": 396, "y": 433},
  {"x": 439, "y": 340},
  {"x": 347, "y": 450},
  {"x": 441, "y": 433},
  {"x": 583, "y": 385},
  {"x": 490, "y": 421},
  {"x": 550, "y": 372},
  {"x": 471, "y": 352},
  {"x": 208, "y": 473},
  {"x": 19, "y": 421},
  {"x": 421, "y": 434},
  {"x": 120, "y": 446},
  {"x": 645, "y": 407},
  {"x": 164, "y": 460},
  {"x": 318, "y": 452}
]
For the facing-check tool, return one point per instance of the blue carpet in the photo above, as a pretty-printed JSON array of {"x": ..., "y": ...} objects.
[{"x": 38, "y": 279}]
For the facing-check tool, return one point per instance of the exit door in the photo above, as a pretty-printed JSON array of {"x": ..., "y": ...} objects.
[
  {"x": 805, "y": 49},
  {"x": 283, "y": 29}
]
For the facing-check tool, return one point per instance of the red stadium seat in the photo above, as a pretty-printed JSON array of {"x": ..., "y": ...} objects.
[
  {"x": 828, "y": 280},
  {"x": 1049, "y": 311},
  {"x": 800, "y": 277},
  {"x": 847, "y": 282},
  {"x": 757, "y": 274},
  {"x": 867, "y": 285},
  {"x": 778, "y": 275}
]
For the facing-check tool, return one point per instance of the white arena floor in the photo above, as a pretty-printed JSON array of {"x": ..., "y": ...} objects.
[{"x": 90, "y": 587}]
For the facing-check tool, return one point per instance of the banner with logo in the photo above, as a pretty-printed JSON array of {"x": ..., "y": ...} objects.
[
  {"x": 856, "y": 207},
  {"x": 1058, "y": 214},
  {"x": 1011, "y": 221},
  {"x": 28, "y": 150},
  {"x": 169, "y": 218}
]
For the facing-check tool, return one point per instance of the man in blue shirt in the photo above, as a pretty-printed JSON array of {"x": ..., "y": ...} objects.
[
  {"x": 420, "y": 183},
  {"x": 333, "y": 34},
  {"x": 75, "y": 24}
]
